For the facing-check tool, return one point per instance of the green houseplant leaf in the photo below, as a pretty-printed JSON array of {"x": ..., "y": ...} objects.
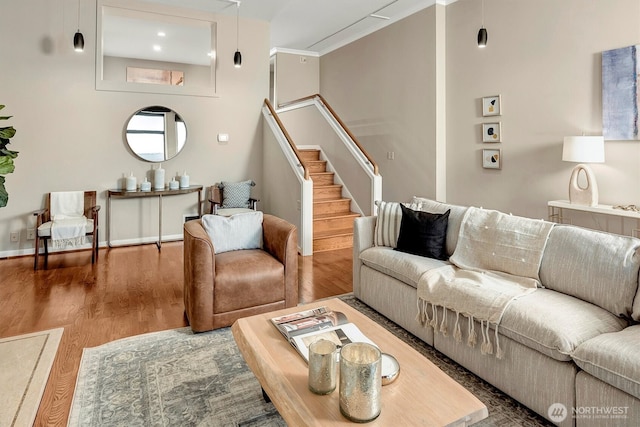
[
  {"x": 6, "y": 158},
  {"x": 4, "y": 196}
]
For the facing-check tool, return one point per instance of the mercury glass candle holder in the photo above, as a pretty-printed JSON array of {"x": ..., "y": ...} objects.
[
  {"x": 360, "y": 382},
  {"x": 323, "y": 370}
]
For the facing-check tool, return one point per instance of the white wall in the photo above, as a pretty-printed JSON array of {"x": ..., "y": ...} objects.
[
  {"x": 384, "y": 88},
  {"x": 70, "y": 136},
  {"x": 296, "y": 75},
  {"x": 543, "y": 58}
]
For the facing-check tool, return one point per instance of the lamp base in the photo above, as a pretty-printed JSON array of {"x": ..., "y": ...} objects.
[{"x": 587, "y": 195}]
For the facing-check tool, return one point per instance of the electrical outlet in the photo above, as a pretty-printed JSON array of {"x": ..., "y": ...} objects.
[
  {"x": 31, "y": 233},
  {"x": 15, "y": 236},
  {"x": 391, "y": 155}
]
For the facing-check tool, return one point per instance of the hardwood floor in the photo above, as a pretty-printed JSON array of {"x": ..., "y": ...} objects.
[{"x": 129, "y": 291}]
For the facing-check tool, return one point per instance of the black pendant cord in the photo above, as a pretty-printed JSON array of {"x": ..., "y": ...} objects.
[{"x": 237, "y": 56}]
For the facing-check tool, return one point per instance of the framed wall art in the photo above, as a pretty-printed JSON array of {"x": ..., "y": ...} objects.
[
  {"x": 491, "y": 132},
  {"x": 491, "y": 106},
  {"x": 620, "y": 101},
  {"x": 492, "y": 158}
]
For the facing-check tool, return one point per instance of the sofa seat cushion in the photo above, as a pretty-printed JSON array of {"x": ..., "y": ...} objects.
[
  {"x": 247, "y": 278},
  {"x": 555, "y": 324},
  {"x": 400, "y": 265},
  {"x": 613, "y": 358}
]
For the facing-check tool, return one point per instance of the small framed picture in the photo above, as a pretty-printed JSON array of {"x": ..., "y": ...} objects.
[
  {"x": 492, "y": 158},
  {"x": 491, "y": 106},
  {"x": 491, "y": 132}
]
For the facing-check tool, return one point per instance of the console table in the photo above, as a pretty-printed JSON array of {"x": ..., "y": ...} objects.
[
  {"x": 556, "y": 212},
  {"x": 123, "y": 194}
]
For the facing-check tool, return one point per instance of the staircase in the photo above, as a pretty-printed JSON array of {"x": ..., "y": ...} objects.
[{"x": 332, "y": 216}]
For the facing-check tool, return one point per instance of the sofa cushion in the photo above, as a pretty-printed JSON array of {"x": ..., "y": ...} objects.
[
  {"x": 236, "y": 232},
  {"x": 455, "y": 217},
  {"x": 613, "y": 358},
  {"x": 555, "y": 324},
  {"x": 594, "y": 266},
  {"x": 423, "y": 233},
  {"x": 247, "y": 279},
  {"x": 388, "y": 223},
  {"x": 405, "y": 267}
]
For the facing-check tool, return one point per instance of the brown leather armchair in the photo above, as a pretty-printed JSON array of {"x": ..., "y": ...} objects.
[{"x": 221, "y": 288}]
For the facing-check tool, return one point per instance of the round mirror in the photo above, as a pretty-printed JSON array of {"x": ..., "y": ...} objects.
[{"x": 156, "y": 134}]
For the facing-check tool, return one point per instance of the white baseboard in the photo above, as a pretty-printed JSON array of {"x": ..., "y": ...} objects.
[{"x": 145, "y": 240}]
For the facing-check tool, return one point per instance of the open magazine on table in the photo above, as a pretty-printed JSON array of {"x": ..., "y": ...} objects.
[{"x": 304, "y": 327}]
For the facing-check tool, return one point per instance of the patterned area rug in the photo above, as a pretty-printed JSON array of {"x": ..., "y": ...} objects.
[
  {"x": 173, "y": 378},
  {"x": 25, "y": 364},
  {"x": 169, "y": 378}
]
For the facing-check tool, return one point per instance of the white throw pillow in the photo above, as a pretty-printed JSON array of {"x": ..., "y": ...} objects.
[
  {"x": 388, "y": 223},
  {"x": 235, "y": 232}
]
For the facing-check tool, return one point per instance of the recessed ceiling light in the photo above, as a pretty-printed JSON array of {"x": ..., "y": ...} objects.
[
  {"x": 157, "y": 48},
  {"x": 161, "y": 34}
]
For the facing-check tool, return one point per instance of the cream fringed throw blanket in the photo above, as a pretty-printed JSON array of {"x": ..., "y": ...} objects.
[
  {"x": 68, "y": 227},
  {"x": 496, "y": 260}
]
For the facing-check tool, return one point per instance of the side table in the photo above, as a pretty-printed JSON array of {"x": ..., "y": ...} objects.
[
  {"x": 556, "y": 213},
  {"x": 123, "y": 194}
]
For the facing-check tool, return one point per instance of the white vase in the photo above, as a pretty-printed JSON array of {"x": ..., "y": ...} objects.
[
  {"x": 158, "y": 178},
  {"x": 184, "y": 180},
  {"x": 145, "y": 185},
  {"x": 131, "y": 183}
]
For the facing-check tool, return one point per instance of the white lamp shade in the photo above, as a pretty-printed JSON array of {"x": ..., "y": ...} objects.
[{"x": 583, "y": 149}]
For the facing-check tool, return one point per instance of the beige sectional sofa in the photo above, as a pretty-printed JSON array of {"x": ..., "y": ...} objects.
[{"x": 569, "y": 349}]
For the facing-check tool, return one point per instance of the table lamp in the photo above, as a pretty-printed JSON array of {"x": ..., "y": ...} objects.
[{"x": 583, "y": 149}]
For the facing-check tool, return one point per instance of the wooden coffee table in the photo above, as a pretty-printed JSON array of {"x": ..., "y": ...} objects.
[{"x": 422, "y": 395}]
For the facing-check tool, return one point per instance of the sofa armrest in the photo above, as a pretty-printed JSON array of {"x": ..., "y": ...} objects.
[
  {"x": 199, "y": 275},
  {"x": 363, "y": 233},
  {"x": 280, "y": 239}
]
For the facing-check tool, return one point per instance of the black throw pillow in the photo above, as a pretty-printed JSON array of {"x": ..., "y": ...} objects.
[{"x": 423, "y": 233}]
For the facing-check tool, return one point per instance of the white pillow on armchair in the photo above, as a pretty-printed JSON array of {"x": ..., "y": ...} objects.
[{"x": 235, "y": 232}]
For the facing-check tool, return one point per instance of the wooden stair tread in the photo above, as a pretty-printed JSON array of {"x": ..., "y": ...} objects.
[
  {"x": 336, "y": 215},
  {"x": 326, "y": 186},
  {"x": 333, "y": 233},
  {"x": 341, "y": 199}
]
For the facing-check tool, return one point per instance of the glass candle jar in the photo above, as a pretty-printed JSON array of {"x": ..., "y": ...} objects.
[
  {"x": 323, "y": 372},
  {"x": 360, "y": 381}
]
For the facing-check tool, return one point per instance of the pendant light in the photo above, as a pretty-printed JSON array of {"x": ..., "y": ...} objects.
[
  {"x": 482, "y": 33},
  {"x": 237, "y": 56},
  {"x": 78, "y": 38}
]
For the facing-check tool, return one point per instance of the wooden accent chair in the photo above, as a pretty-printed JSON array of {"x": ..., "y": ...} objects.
[
  {"x": 220, "y": 288},
  {"x": 44, "y": 222},
  {"x": 220, "y": 206}
]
